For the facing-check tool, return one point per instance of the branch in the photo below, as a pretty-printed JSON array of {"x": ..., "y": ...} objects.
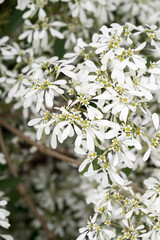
[
  {"x": 138, "y": 189},
  {"x": 22, "y": 190},
  {"x": 49, "y": 151},
  {"x": 41, "y": 148}
]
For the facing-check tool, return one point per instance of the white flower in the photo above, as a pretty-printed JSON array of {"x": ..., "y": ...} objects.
[
  {"x": 37, "y": 33},
  {"x": 78, "y": 9},
  {"x": 153, "y": 186}
]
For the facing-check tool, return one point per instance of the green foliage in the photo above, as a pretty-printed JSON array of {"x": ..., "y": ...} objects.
[
  {"x": 10, "y": 19},
  {"x": 9, "y": 182},
  {"x": 13, "y": 195},
  {"x": 59, "y": 47},
  {"x": 15, "y": 21},
  {"x": 127, "y": 171}
]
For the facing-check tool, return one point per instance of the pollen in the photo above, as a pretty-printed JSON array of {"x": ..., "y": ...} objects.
[
  {"x": 128, "y": 129},
  {"x": 158, "y": 226},
  {"x": 78, "y": 118},
  {"x": 108, "y": 222},
  {"x": 45, "y": 82},
  {"x": 133, "y": 202},
  {"x": 56, "y": 68},
  {"x": 102, "y": 158},
  {"x": 116, "y": 195},
  {"x": 80, "y": 99},
  {"x": 94, "y": 154},
  {"x": 127, "y": 235},
  {"x": 99, "y": 72},
  {"x": 85, "y": 102},
  {"x": 125, "y": 100},
  {"x": 71, "y": 91},
  {"x": 100, "y": 210},
  {"x": 115, "y": 141},
  {"x": 73, "y": 116}
]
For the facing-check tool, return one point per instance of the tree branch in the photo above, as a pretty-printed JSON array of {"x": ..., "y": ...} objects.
[
  {"x": 138, "y": 189},
  {"x": 41, "y": 148},
  {"x": 22, "y": 190},
  {"x": 49, "y": 151}
]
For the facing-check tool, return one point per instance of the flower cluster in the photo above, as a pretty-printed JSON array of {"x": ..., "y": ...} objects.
[
  {"x": 107, "y": 93},
  {"x": 118, "y": 217},
  {"x": 73, "y": 19}
]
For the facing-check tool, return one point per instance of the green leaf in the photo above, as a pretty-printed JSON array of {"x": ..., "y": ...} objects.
[
  {"x": 95, "y": 164},
  {"x": 59, "y": 47},
  {"x": 3, "y": 167},
  {"x": 9, "y": 182},
  {"x": 97, "y": 150},
  {"x": 131, "y": 147},
  {"x": 13, "y": 195},
  {"x": 8, "y": 135},
  {"x": 150, "y": 58},
  {"x": 127, "y": 171},
  {"x": 34, "y": 235},
  {"x": 15, "y": 21},
  {"x": 85, "y": 169}
]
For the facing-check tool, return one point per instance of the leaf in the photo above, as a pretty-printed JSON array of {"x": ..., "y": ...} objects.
[
  {"x": 85, "y": 169},
  {"x": 9, "y": 182},
  {"x": 15, "y": 21},
  {"x": 59, "y": 47},
  {"x": 3, "y": 167},
  {"x": 95, "y": 164},
  {"x": 97, "y": 150},
  {"x": 127, "y": 171},
  {"x": 150, "y": 59},
  {"x": 33, "y": 235},
  {"x": 13, "y": 195}
]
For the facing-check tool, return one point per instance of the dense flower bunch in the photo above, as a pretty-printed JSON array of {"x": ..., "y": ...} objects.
[
  {"x": 108, "y": 94},
  {"x": 74, "y": 19},
  {"x": 100, "y": 100}
]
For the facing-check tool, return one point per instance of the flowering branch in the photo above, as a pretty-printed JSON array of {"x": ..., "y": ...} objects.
[
  {"x": 22, "y": 190},
  {"x": 50, "y": 152}
]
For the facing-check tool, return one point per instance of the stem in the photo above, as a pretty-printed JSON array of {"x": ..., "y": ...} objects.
[
  {"x": 41, "y": 148},
  {"x": 138, "y": 189},
  {"x": 112, "y": 224},
  {"x": 115, "y": 225},
  {"x": 64, "y": 97}
]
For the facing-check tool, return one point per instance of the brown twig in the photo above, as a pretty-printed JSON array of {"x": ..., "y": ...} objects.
[
  {"x": 50, "y": 152},
  {"x": 138, "y": 189},
  {"x": 40, "y": 147},
  {"x": 22, "y": 190},
  {"x": 10, "y": 115}
]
